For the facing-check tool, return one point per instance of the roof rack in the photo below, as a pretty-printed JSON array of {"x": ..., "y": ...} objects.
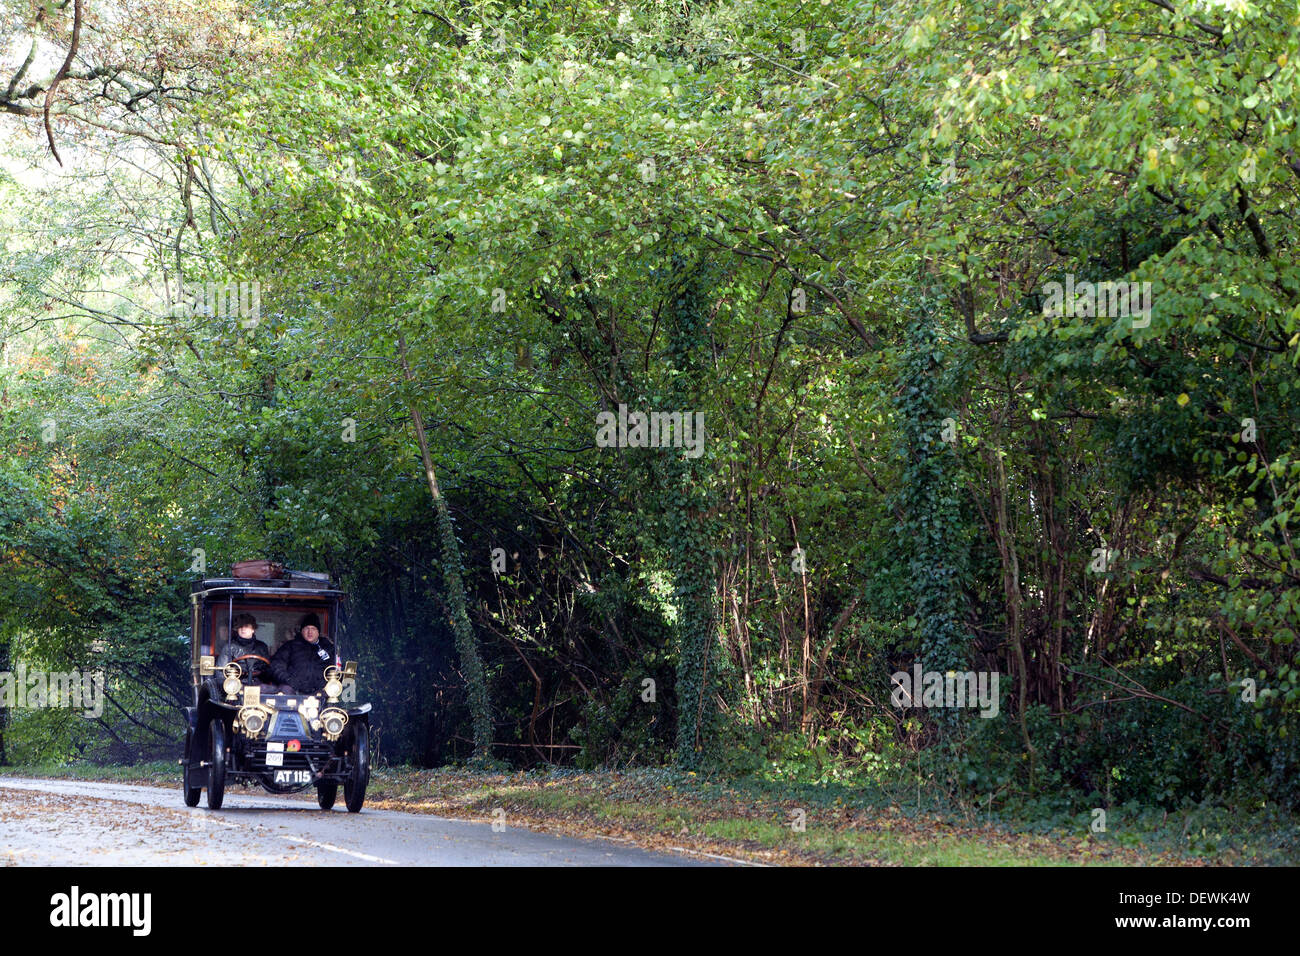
[
  {"x": 279, "y": 586},
  {"x": 264, "y": 574}
]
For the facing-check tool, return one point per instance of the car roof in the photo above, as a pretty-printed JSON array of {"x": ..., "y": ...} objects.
[{"x": 277, "y": 587}]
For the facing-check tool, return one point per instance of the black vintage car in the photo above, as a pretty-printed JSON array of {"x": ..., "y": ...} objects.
[{"x": 239, "y": 729}]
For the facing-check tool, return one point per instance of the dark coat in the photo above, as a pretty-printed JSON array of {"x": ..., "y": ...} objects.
[
  {"x": 298, "y": 664},
  {"x": 253, "y": 669}
]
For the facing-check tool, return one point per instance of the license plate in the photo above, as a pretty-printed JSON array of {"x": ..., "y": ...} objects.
[
  {"x": 274, "y": 747},
  {"x": 293, "y": 776},
  {"x": 275, "y": 760}
]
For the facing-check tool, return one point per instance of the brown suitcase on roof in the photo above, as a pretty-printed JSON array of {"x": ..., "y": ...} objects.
[{"x": 257, "y": 570}]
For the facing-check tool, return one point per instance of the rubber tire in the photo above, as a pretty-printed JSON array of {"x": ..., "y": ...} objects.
[
  {"x": 354, "y": 788},
  {"x": 217, "y": 767},
  {"x": 191, "y": 794},
  {"x": 326, "y": 793}
]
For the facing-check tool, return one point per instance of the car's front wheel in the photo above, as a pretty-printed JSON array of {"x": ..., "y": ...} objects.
[
  {"x": 354, "y": 788},
  {"x": 326, "y": 793},
  {"x": 216, "y": 763},
  {"x": 191, "y": 792}
]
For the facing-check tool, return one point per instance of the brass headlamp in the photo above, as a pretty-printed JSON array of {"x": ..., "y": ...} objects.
[
  {"x": 333, "y": 685},
  {"x": 233, "y": 680},
  {"x": 333, "y": 720},
  {"x": 255, "y": 718}
]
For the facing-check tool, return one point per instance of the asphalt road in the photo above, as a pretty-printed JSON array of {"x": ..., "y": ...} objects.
[{"x": 79, "y": 823}]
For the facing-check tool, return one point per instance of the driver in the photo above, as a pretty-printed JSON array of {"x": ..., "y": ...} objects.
[{"x": 245, "y": 643}]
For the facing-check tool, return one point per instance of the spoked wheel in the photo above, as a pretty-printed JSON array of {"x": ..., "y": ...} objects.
[
  {"x": 191, "y": 792},
  {"x": 216, "y": 763},
  {"x": 354, "y": 789},
  {"x": 326, "y": 794}
]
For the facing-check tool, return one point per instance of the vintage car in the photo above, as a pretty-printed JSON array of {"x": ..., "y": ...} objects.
[{"x": 241, "y": 730}]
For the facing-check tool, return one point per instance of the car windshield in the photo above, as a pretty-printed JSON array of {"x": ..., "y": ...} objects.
[{"x": 276, "y": 623}]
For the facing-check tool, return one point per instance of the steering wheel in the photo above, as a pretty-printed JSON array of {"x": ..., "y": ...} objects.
[{"x": 247, "y": 670}]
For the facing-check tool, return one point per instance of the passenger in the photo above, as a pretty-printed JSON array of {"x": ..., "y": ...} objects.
[
  {"x": 300, "y": 663},
  {"x": 244, "y": 644}
]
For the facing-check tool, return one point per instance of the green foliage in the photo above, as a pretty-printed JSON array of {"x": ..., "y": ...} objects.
[{"x": 827, "y": 234}]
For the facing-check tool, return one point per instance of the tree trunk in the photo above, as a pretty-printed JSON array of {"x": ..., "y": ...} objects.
[
  {"x": 690, "y": 539},
  {"x": 1014, "y": 603},
  {"x": 472, "y": 666},
  {"x": 4, "y": 711}
]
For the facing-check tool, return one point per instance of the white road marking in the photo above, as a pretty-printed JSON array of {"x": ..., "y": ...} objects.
[
  {"x": 337, "y": 849},
  {"x": 713, "y": 856}
]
